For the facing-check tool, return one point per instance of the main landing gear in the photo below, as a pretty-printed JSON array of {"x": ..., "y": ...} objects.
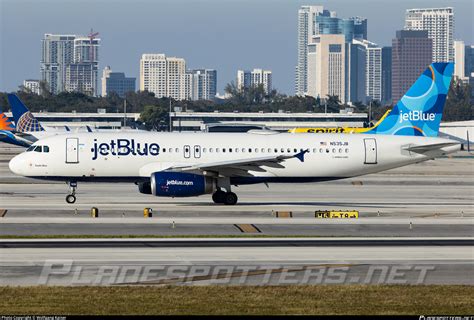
[
  {"x": 227, "y": 198},
  {"x": 71, "y": 197}
]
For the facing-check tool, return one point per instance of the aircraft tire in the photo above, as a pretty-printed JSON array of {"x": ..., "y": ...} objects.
[
  {"x": 230, "y": 199},
  {"x": 218, "y": 196},
  {"x": 70, "y": 198}
]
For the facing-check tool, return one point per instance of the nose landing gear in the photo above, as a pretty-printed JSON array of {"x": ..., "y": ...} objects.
[{"x": 71, "y": 197}]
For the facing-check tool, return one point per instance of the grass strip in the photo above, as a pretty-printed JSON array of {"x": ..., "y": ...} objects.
[{"x": 234, "y": 300}]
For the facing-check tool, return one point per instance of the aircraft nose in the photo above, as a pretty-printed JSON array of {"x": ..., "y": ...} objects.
[{"x": 16, "y": 164}]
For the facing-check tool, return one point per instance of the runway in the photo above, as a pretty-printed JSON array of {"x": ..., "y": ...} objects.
[
  {"x": 444, "y": 187},
  {"x": 415, "y": 227},
  {"x": 237, "y": 261}
]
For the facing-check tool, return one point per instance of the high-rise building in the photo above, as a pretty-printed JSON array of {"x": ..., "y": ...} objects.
[
  {"x": 306, "y": 24},
  {"x": 247, "y": 79},
  {"x": 439, "y": 22},
  {"x": 387, "y": 75},
  {"x": 469, "y": 67},
  {"x": 116, "y": 82},
  {"x": 32, "y": 86},
  {"x": 327, "y": 66},
  {"x": 327, "y": 22},
  {"x": 57, "y": 53},
  {"x": 201, "y": 84},
  {"x": 459, "y": 60},
  {"x": 313, "y": 21},
  {"x": 86, "y": 50},
  {"x": 356, "y": 61},
  {"x": 65, "y": 59},
  {"x": 411, "y": 55},
  {"x": 164, "y": 76},
  {"x": 360, "y": 27},
  {"x": 82, "y": 74},
  {"x": 469, "y": 61},
  {"x": 81, "y": 77},
  {"x": 373, "y": 70}
]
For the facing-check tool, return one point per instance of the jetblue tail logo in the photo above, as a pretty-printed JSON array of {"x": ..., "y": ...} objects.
[
  {"x": 419, "y": 111},
  {"x": 24, "y": 119}
]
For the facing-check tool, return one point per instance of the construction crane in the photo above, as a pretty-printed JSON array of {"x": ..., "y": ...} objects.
[{"x": 92, "y": 35}]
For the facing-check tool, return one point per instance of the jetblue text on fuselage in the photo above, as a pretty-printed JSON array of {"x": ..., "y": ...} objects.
[
  {"x": 416, "y": 116},
  {"x": 124, "y": 147}
]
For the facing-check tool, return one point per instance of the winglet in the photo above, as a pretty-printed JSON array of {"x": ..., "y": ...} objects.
[{"x": 300, "y": 155}]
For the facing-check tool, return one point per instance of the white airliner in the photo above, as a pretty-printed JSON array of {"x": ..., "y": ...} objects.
[{"x": 192, "y": 164}]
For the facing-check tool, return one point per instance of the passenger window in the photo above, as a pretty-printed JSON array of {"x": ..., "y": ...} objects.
[
  {"x": 333, "y": 150},
  {"x": 288, "y": 150},
  {"x": 269, "y": 150},
  {"x": 263, "y": 150},
  {"x": 295, "y": 150},
  {"x": 276, "y": 150},
  {"x": 282, "y": 150},
  {"x": 321, "y": 150},
  {"x": 217, "y": 149},
  {"x": 46, "y": 149},
  {"x": 204, "y": 150},
  {"x": 250, "y": 150},
  {"x": 211, "y": 150},
  {"x": 340, "y": 150},
  {"x": 164, "y": 150},
  {"x": 236, "y": 150},
  {"x": 230, "y": 149},
  {"x": 347, "y": 150},
  {"x": 177, "y": 150},
  {"x": 327, "y": 150},
  {"x": 170, "y": 150},
  {"x": 223, "y": 150},
  {"x": 256, "y": 150},
  {"x": 243, "y": 150}
]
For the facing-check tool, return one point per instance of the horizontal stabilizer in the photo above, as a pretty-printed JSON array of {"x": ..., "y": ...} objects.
[{"x": 431, "y": 147}]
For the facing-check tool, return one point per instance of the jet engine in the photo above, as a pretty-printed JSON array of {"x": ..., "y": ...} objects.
[{"x": 178, "y": 184}]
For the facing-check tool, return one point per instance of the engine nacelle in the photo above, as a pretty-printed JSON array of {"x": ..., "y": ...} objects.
[
  {"x": 144, "y": 187},
  {"x": 181, "y": 184}
]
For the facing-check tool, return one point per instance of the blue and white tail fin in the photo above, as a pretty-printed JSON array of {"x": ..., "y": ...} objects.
[
  {"x": 24, "y": 119},
  {"x": 419, "y": 111}
]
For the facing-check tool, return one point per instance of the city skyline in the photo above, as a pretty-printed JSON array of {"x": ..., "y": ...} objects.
[{"x": 201, "y": 39}]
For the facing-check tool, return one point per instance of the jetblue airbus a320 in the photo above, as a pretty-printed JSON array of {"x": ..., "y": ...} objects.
[{"x": 193, "y": 164}]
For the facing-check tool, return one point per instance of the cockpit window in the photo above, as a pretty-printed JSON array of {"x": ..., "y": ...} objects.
[
  {"x": 30, "y": 148},
  {"x": 45, "y": 149},
  {"x": 38, "y": 149}
]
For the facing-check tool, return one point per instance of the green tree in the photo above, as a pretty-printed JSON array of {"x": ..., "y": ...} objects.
[
  {"x": 155, "y": 118},
  {"x": 458, "y": 103}
]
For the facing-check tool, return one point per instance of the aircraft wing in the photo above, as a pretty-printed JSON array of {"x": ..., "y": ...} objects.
[
  {"x": 430, "y": 147},
  {"x": 240, "y": 167}
]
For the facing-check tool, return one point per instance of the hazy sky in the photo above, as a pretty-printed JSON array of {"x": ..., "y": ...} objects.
[{"x": 221, "y": 34}]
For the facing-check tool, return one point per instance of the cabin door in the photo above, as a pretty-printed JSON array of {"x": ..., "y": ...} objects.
[
  {"x": 370, "y": 151},
  {"x": 72, "y": 150}
]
